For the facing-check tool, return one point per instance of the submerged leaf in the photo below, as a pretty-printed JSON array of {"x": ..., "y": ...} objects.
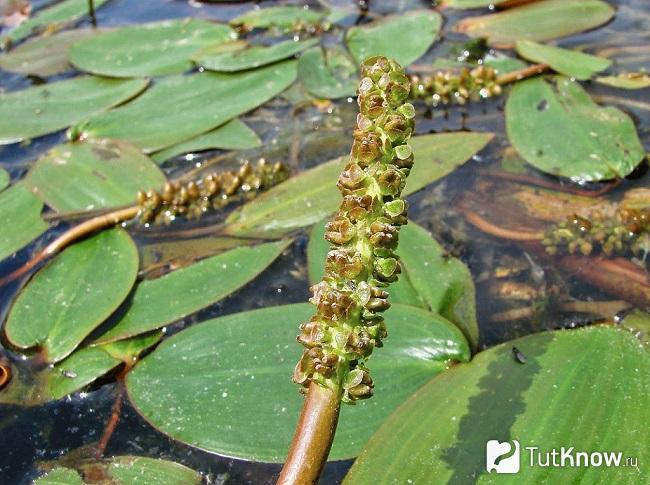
[
  {"x": 328, "y": 72},
  {"x": 228, "y": 380},
  {"x": 584, "y": 390},
  {"x": 44, "y": 109},
  {"x": 570, "y": 63},
  {"x": 20, "y": 219},
  {"x": 60, "y": 476},
  {"x": 308, "y": 197},
  {"x": 4, "y": 179},
  {"x": 44, "y": 56},
  {"x": 92, "y": 174},
  {"x": 182, "y": 107},
  {"x": 54, "y": 18},
  {"x": 560, "y": 130},
  {"x": 73, "y": 294},
  {"x": 404, "y": 37},
  {"x": 540, "y": 21},
  {"x": 626, "y": 80},
  {"x": 151, "y": 49},
  {"x": 239, "y": 56},
  {"x": 234, "y": 135},
  {"x": 164, "y": 300}
]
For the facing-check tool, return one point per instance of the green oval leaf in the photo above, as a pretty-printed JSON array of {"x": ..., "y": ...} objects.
[
  {"x": 239, "y": 56},
  {"x": 308, "y": 197},
  {"x": 585, "y": 389},
  {"x": 540, "y": 21},
  {"x": 200, "y": 102},
  {"x": 161, "y": 301},
  {"x": 86, "y": 365},
  {"x": 44, "y": 56},
  {"x": 54, "y": 106},
  {"x": 124, "y": 470},
  {"x": 73, "y": 294},
  {"x": 152, "y": 49},
  {"x": 416, "y": 31},
  {"x": 93, "y": 174},
  {"x": 227, "y": 381},
  {"x": 442, "y": 283},
  {"x": 284, "y": 17},
  {"x": 55, "y": 18},
  {"x": 570, "y": 63},
  {"x": 466, "y": 4},
  {"x": 560, "y": 130},
  {"x": 234, "y": 135},
  {"x": 60, "y": 476},
  {"x": 20, "y": 219},
  {"x": 328, "y": 72}
]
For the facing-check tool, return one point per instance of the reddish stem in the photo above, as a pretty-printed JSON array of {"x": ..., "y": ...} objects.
[{"x": 313, "y": 437}]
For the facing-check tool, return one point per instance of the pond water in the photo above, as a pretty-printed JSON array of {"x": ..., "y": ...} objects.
[{"x": 518, "y": 291}]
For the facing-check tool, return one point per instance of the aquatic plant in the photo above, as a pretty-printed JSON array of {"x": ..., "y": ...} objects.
[
  {"x": 459, "y": 87},
  {"x": 190, "y": 199},
  {"x": 347, "y": 325}
]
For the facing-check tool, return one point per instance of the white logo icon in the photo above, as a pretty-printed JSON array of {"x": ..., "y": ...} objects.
[{"x": 502, "y": 457}]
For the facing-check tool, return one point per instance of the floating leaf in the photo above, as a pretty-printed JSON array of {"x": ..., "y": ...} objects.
[
  {"x": 416, "y": 31},
  {"x": 89, "y": 364},
  {"x": 124, "y": 470},
  {"x": 93, "y": 174},
  {"x": 73, "y": 294},
  {"x": 430, "y": 278},
  {"x": 560, "y": 130},
  {"x": 51, "y": 107},
  {"x": 52, "y": 18},
  {"x": 284, "y": 17},
  {"x": 465, "y": 4},
  {"x": 60, "y": 476},
  {"x": 308, "y": 197},
  {"x": 442, "y": 283},
  {"x": 504, "y": 64},
  {"x": 234, "y": 135},
  {"x": 570, "y": 63},
  {"x": 152, "y": 49},
  {"x": 584, "y": 390},
  {"x": 239, "y": 56},
  {"x": 161, "y": 301},
  {"x": 540, "y": 21},
  {"x": 4, "y": 179},
  {"x": 328, "y": 73},
  {"x": 227, "y": 381},
  {"x": 199, "y": 103},
  {"x": 20, "y": 219},
  {"x": 44, "y": 56},
  {"x": 626, "y": 80}
]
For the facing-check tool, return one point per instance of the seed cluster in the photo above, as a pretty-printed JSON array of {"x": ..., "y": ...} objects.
[
  {"x": 459, "y": 87},
  {"x": 364, "y": 233},
  {"x": 216, "y": 190},
  {"x": 627, "y": 232}
]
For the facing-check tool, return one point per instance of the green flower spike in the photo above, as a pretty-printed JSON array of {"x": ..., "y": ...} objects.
[
  {"x": 214, "y": 191},
  {"x": 349, "y": 299},
  {"x": 458, "y": 87}
]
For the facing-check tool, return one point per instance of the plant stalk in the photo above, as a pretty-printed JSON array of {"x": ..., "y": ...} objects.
[{"x": 313, "y": 437}]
